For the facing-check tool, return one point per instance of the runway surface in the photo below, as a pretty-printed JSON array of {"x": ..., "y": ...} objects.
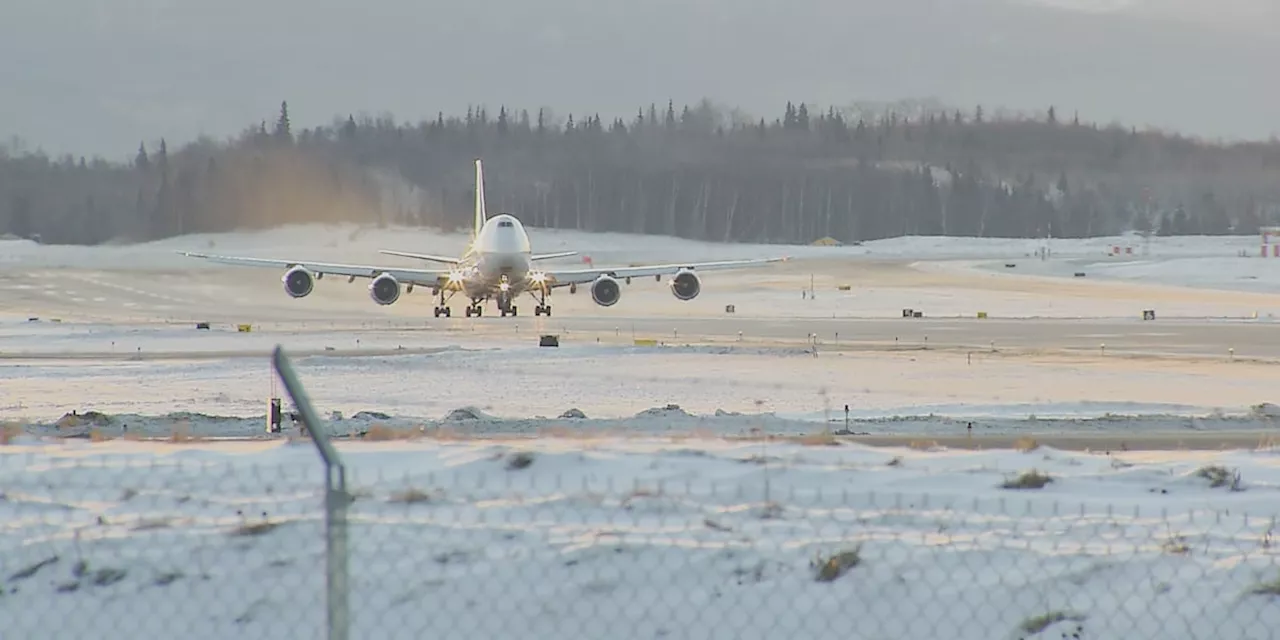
[
  {"x": 1024, "y": 313},
  {"x": 1049, "y": 344}
]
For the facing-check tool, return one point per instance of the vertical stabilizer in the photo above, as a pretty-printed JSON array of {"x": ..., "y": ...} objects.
[{"x": 480, "y": 212}]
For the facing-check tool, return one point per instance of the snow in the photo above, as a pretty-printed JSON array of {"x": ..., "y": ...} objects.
[
  {"x": 659, "y": 510},
  {"x": 421, "y": 376},
  {"x": 634, "y": 538}
]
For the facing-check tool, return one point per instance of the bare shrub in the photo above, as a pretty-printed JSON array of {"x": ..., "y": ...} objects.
[
  {"x": 1219, "y": 476},
  {"x": 1032, "y": 479},
  {"x": 830, "y": 568}
]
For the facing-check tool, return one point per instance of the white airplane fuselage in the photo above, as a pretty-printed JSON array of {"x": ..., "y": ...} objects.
[{"x": 500, "y": 255}]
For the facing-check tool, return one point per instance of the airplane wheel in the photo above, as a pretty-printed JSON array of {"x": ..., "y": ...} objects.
[
  {"x": 469, "y": 309},
  {"x": 513, "y": 310},
  {"x": 437, "y": 312},
  {"x": 448, "y": 313},
  {"x": 547, "y": 310},
  {"x": 479, "y": 311}
]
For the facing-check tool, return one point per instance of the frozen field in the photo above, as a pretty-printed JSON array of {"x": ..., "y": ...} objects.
[{"x": 639, "y": 538}]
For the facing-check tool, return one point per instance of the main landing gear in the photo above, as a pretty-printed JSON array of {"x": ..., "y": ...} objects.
[
  {"x": 442, "y": 308},
  {"x": 542, "y": 308},
  {"x": 475, "y": 309}
]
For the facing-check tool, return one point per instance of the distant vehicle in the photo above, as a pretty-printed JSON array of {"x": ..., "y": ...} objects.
[{"x": 498, "y": 265}]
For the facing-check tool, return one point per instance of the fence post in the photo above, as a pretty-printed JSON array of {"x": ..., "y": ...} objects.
[{"x": 336, "y": 500}]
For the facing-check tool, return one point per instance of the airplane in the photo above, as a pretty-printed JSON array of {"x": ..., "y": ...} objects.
[{"x": 497, "y": 265}]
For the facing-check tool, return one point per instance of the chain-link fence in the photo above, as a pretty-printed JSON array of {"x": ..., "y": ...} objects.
[{"x": 460, "y": 540}]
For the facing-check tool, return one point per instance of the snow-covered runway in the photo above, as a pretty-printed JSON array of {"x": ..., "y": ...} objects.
[{"x": 113, "y": 329}]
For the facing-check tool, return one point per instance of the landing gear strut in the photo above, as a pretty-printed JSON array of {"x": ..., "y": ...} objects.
[
  {"x": 542, "y": 307},
  {"x": 442, "y": 309},
  {"x": 505, "y": 305}
]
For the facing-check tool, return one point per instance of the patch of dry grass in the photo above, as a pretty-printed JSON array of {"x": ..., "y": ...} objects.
[
  {"x": 411, "y": 495},
  {"x": 9, "y": 431},
  {"x": 1040, "y": 623},
  {"x": 181, "y": 432},
  {"x": 383, "y": 433},
  {"x": 1032, "y": 479},
  {"x": 1026, "y": 445},
  {"x": 923, "y": 445},
  {"x": 254, "y": 528},
  {"x": 830, "y": 568},
  {"x": 1176, "y": 545}
]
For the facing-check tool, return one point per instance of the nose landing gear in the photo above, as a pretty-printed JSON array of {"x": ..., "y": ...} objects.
[{"x": 506, "y": 306}]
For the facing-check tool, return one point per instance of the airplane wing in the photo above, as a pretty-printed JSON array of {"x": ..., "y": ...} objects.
[
  {"x": 561, "y": 278},
  {"x": 425, "y": 277},
  {"x": 420, "y": 256},
  {"x": 552, "y": 256}
]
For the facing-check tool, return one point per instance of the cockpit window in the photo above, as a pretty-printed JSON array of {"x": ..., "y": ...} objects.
[{"x": 505, "y": 223}]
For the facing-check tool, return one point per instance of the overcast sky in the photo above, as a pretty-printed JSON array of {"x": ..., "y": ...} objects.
[{"x": 97, "y": 76}]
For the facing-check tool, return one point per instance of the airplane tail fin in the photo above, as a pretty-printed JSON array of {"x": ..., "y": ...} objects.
[{"x": 480, "y": 212}]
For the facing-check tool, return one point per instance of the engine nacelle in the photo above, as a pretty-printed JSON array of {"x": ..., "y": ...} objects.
[
  {"x": 298, "y": 282},
  {"x": 384, "y": 289},
  {"x": 605, "y": 291},
  {"x": 686, "y": 285}
]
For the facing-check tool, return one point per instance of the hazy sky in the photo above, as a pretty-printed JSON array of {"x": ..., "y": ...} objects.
[{"x": 97, "y": 76}]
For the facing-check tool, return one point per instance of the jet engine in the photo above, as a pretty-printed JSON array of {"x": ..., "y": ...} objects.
[
  {"x": 298, "y": 282},
  {"x": 384, "y": 289},
  {"x": 686, "y": 285},
  {"x": 605, "y": 291}
]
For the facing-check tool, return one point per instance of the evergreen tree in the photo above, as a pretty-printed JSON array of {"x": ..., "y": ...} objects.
[
  {"x": 284, "y": 132},
  {"x": 502, "y": 121}
]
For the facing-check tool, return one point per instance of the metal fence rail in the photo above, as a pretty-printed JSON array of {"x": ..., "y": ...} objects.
[{"x": 188, "y": 544}]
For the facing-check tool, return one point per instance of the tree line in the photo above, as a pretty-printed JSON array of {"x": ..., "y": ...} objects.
[{"x": 695, "y": 171}]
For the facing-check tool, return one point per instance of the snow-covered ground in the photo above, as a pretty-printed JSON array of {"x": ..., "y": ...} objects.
[
  {"x": 656, "y": 511},
  {"x": 638, "y": 538},
  {"x": 157, "y": 371}
]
